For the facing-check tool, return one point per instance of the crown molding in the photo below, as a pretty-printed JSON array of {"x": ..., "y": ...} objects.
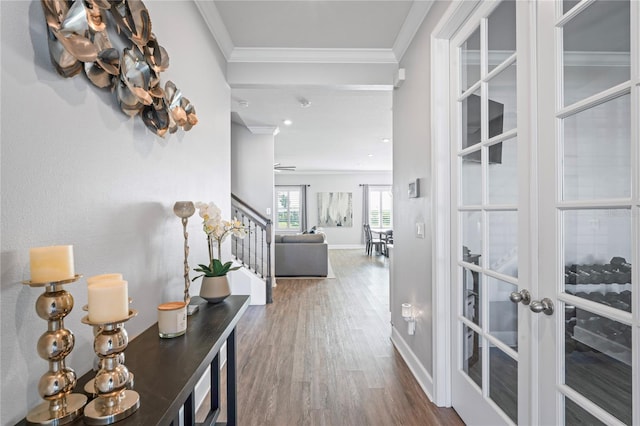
[
  {"x": 264, "y": 130},
  {"x": 212, "y": 18},
  {"x": 214, "y": 22},
  {"x": 295, "y": 55},
  {"x": 413, "y": 21}
]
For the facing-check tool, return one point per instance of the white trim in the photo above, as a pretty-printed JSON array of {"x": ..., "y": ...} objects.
[
  {"x": 441, "y": 225},
  {"x": 457, "y": 13},
  {"x": 421, "y": 375},
  {"x": 503, "y": 340},
  {"x": 264, "y": 130},
  {"x": 453, "y": 17},
  {"x": 589, "y": 406},
  {"x": 411, "y": 25},
  {"x": 314, "y": 55},
  {"x": 214, "y": 22},
  {"x": 635, "y": 143},
  {"x": 597, "y": 308},
  {"x": 595, "y": 100},
  {"x": 572, "y": 13}
]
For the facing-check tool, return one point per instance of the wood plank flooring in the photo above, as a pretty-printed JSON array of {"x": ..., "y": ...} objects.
[{"x": 321, "y": 354}]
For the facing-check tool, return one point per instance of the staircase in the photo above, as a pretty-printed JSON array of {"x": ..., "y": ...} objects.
[{"x": 253, "y": 251}]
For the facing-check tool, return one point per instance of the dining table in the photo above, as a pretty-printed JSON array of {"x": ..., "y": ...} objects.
[{"x": 385, "y": 235}]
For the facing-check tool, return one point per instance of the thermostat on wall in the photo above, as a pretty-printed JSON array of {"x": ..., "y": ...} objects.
[{"x": 414, "y": 188}]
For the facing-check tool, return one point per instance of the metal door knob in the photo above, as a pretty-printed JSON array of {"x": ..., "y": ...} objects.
[
  {"x": 545, "y": 305},
  {"x": 520, "y": 296}
]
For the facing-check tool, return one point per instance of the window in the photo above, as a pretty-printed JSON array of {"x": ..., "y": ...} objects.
[
  {"x": 288, "y": 208},
  {"x": 380, "y": 207}
]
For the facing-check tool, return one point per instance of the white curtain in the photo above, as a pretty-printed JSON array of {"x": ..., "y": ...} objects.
[
  {"x": 365, "y": 209},
  {"x": 303, "y": 208}
]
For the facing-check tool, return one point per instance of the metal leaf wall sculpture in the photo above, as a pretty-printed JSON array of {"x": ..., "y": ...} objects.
[{"x": 78, "y": 41}]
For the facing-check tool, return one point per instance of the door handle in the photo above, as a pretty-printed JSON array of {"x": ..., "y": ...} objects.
[
  {"x": 545, "y": 305},
  {"x": 523, "y": 296}
]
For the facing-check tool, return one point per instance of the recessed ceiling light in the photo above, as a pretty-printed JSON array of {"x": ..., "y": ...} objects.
[
  {"x": 287, "y": 122},
  {"x": 369, "y": 155},
  {"x": 386, "y": 140},
  {"x": 243, "y": 104}
]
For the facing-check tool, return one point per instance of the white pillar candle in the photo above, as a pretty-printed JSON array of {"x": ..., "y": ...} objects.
[
  {"x": 108, "y": 301},
  {"x": 102, "y": 277},
  {"x": 172, "y": 319},
  {"x": 50, "y": 264}
]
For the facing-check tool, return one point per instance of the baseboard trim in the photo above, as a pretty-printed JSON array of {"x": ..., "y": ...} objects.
[{"x": 420, "y": 373}]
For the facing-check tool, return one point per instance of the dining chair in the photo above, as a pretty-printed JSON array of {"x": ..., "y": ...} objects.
[
  {"x": 373, "y": 243},
  {"x": 367, "y": 238},
  {"x": 387, "y": 237}
]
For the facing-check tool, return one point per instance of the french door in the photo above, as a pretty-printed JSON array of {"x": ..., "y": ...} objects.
[{"x": 546, "y": 213}]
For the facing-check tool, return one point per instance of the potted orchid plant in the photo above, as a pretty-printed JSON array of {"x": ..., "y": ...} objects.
[{"x": 215, "y": 286}]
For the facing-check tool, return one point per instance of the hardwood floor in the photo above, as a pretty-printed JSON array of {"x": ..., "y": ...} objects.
[{"x": 321, "y": 354}]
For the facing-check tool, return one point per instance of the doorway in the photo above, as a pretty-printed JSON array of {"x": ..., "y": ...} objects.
[{"x": 544, "y": 213}]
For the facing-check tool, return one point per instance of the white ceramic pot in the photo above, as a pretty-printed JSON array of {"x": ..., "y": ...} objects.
[{"x": 215, "y": 289}]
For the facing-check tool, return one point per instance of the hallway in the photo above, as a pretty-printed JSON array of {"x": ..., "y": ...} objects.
[{"x": 321, "y": 354}]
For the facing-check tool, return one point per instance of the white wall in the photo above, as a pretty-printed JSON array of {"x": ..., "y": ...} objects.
[
  {"x": 252, "y": 181},
  {"x": 252, "y": 167},
  {"x": 76, "y": 170},
  {"x": 411, "y": 159},
  {"x": 339, "y": 236}
]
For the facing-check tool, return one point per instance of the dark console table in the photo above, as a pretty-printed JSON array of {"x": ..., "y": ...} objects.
[{"x": 166, "y": 371}]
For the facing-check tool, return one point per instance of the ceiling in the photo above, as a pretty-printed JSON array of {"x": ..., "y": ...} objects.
[{"x": 328, "y": 66}]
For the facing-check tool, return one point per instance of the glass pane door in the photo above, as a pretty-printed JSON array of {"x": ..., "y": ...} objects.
[
  {"x": 486, "y": 261},
  {"x": 589, "y": 207},
  {"x": 596, "y": 292}
]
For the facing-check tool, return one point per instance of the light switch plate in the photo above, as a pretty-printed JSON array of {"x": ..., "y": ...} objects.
[{"x": 420, "y": 229}]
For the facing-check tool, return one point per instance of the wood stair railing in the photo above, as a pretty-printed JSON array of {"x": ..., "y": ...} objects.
[{"x": 253, "y": 251}]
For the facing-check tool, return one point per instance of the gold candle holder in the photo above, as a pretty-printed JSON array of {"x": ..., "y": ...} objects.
[
  {"x": 55, "y": 386},
  {"x": 114, "y": 400},
  {"x": 90, "y": 386}
]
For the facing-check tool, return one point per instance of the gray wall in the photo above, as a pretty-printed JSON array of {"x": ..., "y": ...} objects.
[
  {"x": 412, "y": 266},
  {"x": 76, "y": 170},
  {"x": 252, "y": 167},
  {"x": 337, "y": 236}
]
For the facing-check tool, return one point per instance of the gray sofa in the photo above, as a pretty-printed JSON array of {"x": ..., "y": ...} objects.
[{"x": 303, "y": 255}]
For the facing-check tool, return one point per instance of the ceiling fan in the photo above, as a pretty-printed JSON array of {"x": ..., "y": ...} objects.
[{"x": 277, "y": 167}]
